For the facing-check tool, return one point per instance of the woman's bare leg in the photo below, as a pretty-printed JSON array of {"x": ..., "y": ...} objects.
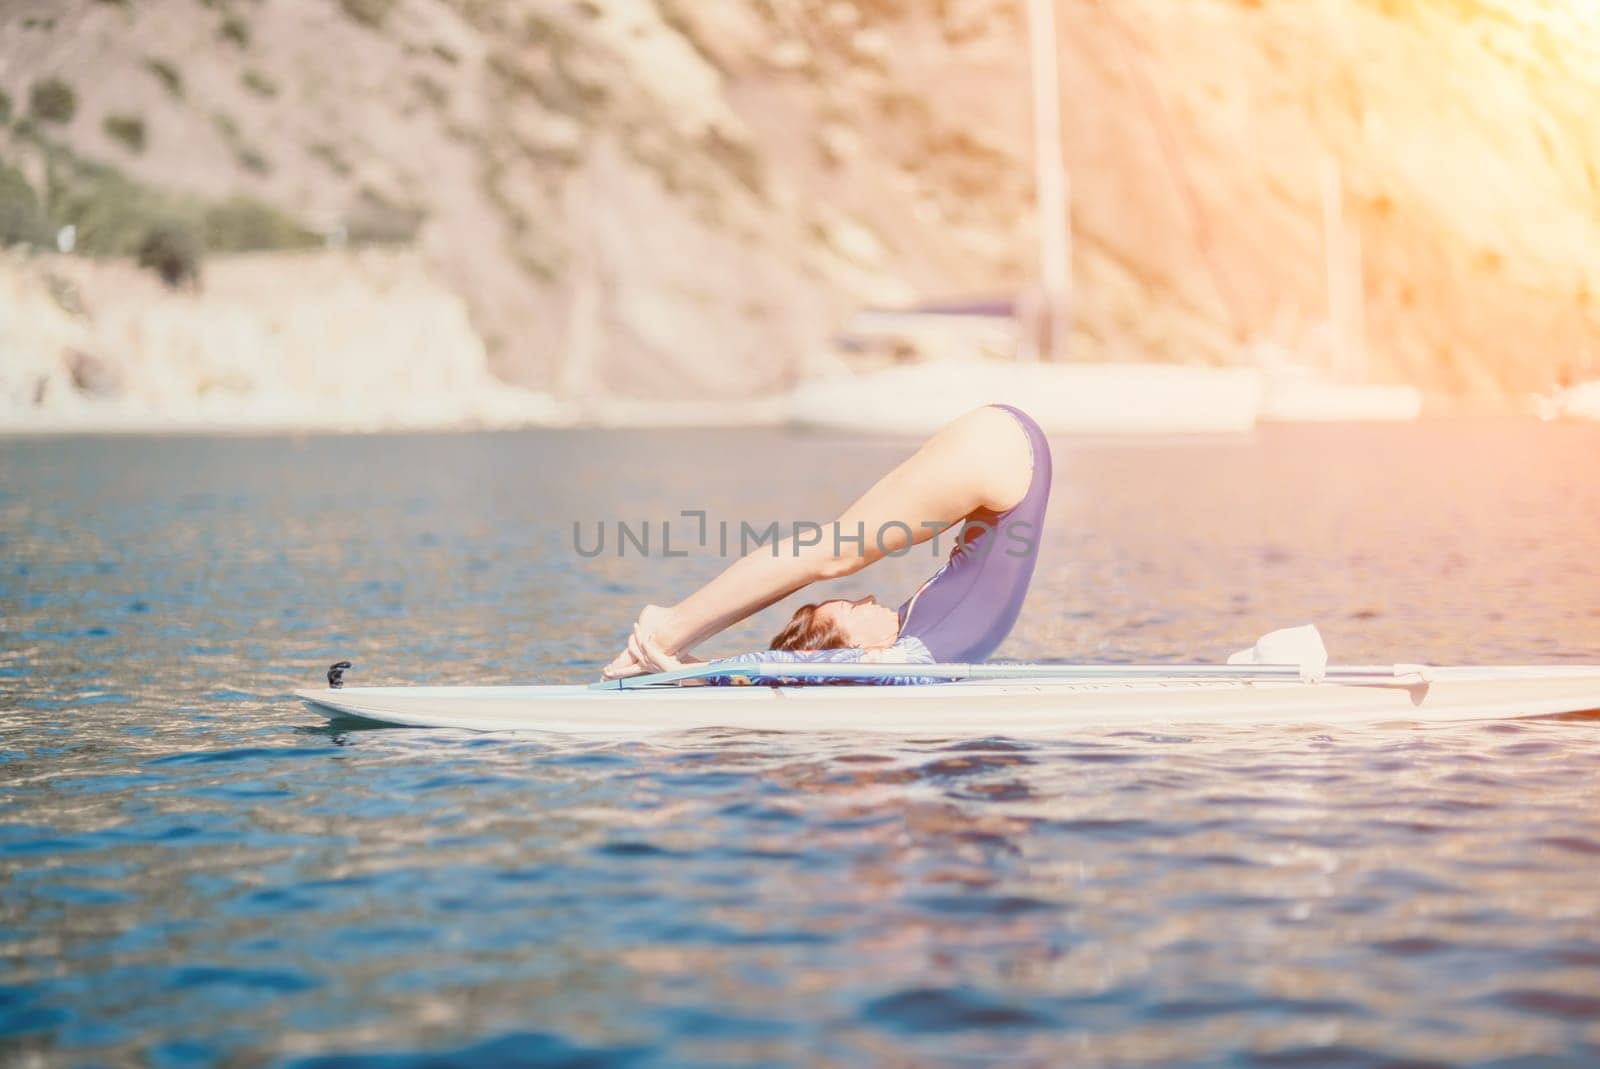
[{"x": 980, "y": 461}]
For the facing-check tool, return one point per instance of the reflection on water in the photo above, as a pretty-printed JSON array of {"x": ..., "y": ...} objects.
[{"x": 194, "y": 869}]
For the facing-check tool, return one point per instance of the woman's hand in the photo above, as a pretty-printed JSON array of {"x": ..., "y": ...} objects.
[
  {"x": 647, "y": 653},
  {"x": 644, "y": 652}
]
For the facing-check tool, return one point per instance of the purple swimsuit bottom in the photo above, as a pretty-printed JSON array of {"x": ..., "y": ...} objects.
[{"x": 967, "y": 609}]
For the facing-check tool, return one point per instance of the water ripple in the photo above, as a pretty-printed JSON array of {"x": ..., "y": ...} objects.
[{"x": 194, "y": 870}]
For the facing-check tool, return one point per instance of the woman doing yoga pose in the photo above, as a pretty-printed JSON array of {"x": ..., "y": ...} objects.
[{"x": 987, "y": 473}]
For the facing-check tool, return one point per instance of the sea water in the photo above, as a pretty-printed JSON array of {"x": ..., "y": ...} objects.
[{"x": 194, "y": 869}]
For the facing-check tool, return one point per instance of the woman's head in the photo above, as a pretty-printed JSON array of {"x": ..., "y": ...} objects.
[{"x": 839, "y": 624}]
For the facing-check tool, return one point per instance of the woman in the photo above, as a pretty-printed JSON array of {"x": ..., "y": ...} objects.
[{"x": 988, "y": 471}]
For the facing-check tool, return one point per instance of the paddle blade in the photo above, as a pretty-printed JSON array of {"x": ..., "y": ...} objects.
[{"x": 1290, "y": 645}]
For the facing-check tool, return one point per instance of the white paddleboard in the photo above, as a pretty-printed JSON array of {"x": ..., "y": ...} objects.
[{"x": 973, "y": 708}]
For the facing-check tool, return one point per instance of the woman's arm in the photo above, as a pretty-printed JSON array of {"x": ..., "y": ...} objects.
[{"x": 981, "y": 460}]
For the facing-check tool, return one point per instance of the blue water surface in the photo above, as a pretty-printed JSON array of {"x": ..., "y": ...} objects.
[{"x": 195, "y": 870}]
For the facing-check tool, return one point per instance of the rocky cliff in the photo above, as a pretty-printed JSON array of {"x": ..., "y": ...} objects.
[
  {"x": 370, "y": 340},
  {"x": 675, "y": 198}
]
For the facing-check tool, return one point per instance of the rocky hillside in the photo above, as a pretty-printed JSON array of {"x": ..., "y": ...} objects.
[
  {"x": 367, "y": 340},
  {"x": 673, "y": 198}
]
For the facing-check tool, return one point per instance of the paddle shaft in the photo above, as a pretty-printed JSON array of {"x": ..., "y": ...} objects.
[{"x": 866, "y": 672}]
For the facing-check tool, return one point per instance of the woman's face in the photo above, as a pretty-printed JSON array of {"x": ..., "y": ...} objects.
[{"x": 863, "y": 622}]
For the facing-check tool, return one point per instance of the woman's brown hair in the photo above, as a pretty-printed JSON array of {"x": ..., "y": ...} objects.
[{"x": 805, "y": 632}]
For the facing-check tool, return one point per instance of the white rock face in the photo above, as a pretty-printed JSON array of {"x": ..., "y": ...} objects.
[{"x": 324, "y": 340}]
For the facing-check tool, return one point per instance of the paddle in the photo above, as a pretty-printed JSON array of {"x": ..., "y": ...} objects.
[
  {"x": 1289, "y": 653},
  {"x": 1301, "y": 646}
]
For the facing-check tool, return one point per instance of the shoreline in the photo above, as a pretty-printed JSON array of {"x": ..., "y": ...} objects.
[
  {"x": 610, "y": 414},
  {"x": 636, "y": 417}
]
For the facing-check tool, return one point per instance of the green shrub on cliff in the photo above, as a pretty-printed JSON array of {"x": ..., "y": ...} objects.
[
  {"x": 242, "y": 224},
  {"x": 171, "y": 250},
  {"x": 245, "y": 154},
  {"x": 5, "y": 107},
  {"x": 128, "y": 129},
  {"x": 375, "y": 220},
  {"x": 329, "y": 154},
  {"x": 370, "y": 13},
  {"x": 22, "y": 219},
  {"x": 115, "y": 214},
  {"x": 258, "y": 83},
  {"x": 235, "y": 29},
  {"x": 252, "y": 160},
  {"x": 52, "y": 100},
  {"x": 166, "y": 231},
  {"x": 111, "y": 213},
  {"x": 167, "y": 74}
]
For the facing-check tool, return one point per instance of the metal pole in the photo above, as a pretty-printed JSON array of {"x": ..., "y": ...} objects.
[
  {"x": 1054, "y": 204},
  {"x": 1336, "y": 265}
]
